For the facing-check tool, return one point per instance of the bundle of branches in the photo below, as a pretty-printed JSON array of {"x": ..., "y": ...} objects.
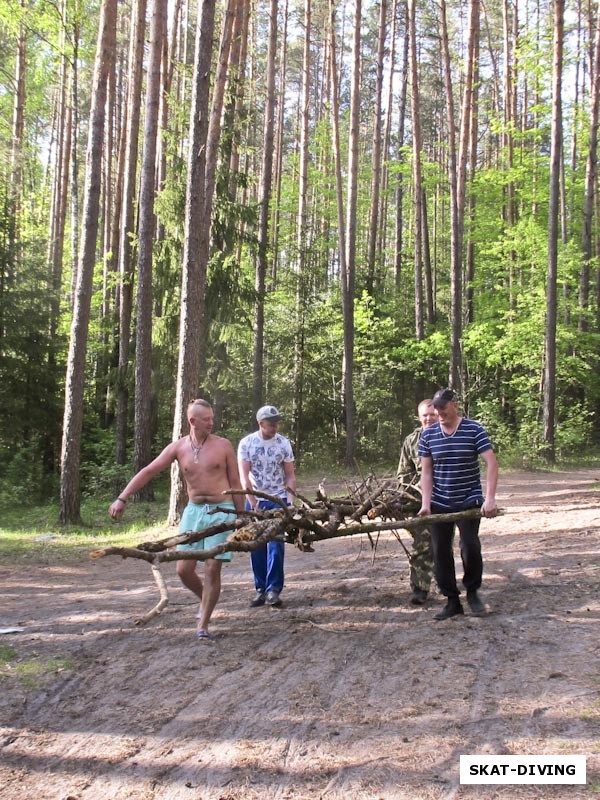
[
  {"x": 372, "y": 505},
  {"x": 384, "y": 497}
]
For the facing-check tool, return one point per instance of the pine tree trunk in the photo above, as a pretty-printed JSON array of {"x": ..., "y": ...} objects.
[
  {"x": 417, "y": 179},
  {"x": 70, "y": 496},
  {"x": 376, "y": 170},
  {"x": 591, "y": 177},
  {"x": 349, "y": 278},
  {"x": 301, "y": 233},
  {"x": 337, "y": 153},
  {"x": 265, "y": 212},
  {"x": 16, "y": 149},
  {"x": 235, "y": 94},
  {"x": 279, "y": 145},
  {"x": 127, "y": 227},
  {"x": 553, "y": 220},
  {"x": 399, "y": 194},
  {"x": 195, "y": 247},
  {"x": 55, "y": 261},
  {"x": 116, "y": 208},
  {"x": 102, "y": 360},
  {"x": 76, "y": 33},
  {"x": 474, "y": 133},
  {"x": 384, "y": 233},
  {"x": 508, "y": 142},
  {"x": 214, "y": 126},
  {"x": 147, "y": 228}
]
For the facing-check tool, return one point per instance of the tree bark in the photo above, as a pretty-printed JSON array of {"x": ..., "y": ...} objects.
[
  {"x": 337, "y": 153},
  {"x": 417, "y": 178},
  {"x": 214, "y": 125},
  {"x": 76, "y": 33},
  {"x": 262, "y": 262},
  {"x": 591, "y": 178},
  {"x": 377, "y": 144},
  {"x": 16, "y": 148},
  {"x": 70, "y": 496},
  {"x": 127, "y": 227},
  {"x": 279, "y": 145},
  {"x": 301, "y": 232},
  {"x": 349, "y": 278},
  {"x": 508, "y": 140},
  {"x": 195, "y": 247},
  {"x": 399, "y": 194},
  {"x": 147, "y": 228},
  {"x": 58, "y": 212},
  {"x": 553, "y": 220},
  {"x": 473, "y": 132}
]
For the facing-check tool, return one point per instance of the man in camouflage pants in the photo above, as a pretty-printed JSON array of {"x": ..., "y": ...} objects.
[{"x": 409, "y": 477}]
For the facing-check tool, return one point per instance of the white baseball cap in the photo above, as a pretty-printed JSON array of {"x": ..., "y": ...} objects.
[{"x": 269, "y": 413}]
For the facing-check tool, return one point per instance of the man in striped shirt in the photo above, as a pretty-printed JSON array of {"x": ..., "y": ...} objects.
[{"x": 450, "y": 481}]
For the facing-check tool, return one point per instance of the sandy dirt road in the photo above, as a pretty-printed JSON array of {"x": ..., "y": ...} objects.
[{"x": 346, "y": 692}]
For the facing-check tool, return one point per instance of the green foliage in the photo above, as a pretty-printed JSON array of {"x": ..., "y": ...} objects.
[
  {"x": 503, "y": 347},
  {"x": 23, "y": 479},
  {"x": 99, "y": 472}
]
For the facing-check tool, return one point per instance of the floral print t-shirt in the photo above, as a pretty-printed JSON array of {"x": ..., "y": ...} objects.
[{"x": 267, "y": 457}]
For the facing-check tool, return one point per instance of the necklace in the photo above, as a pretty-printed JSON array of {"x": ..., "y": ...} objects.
[
  {"x": 196, "y": 448},
  {"x": 450, "y": 435}
]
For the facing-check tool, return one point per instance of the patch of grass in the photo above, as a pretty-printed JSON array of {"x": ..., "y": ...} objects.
[
  {"x": 7, "y": 654},
  {"x": 34, "y": 673},
  {"x": 34, "y": 535}
]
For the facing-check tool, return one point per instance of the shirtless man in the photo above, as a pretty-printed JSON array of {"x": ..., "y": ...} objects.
[{"x": 209, "y": 465}]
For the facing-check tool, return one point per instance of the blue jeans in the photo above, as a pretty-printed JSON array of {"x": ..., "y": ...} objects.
[{"x": 267, "y": 561}]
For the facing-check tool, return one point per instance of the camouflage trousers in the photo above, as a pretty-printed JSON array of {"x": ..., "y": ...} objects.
[{"x": 421, "y": 560}]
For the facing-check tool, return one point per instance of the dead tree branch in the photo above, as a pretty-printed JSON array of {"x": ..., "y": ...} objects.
[
  {"x": 373, "y": 506},
  {"x": 163, "y": 593}
]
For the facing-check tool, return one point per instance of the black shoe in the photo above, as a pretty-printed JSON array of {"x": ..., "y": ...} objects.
[
  {"x": 451, "y": 609},
  {"x": 475, "y": 604},
  {"x": 258, "y": 599},
  {"x": 418, "y": 597},
  {"x": 272, "y": 599}
]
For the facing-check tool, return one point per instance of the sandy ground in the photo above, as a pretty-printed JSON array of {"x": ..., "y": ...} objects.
[{"x": 346, "y": 692}]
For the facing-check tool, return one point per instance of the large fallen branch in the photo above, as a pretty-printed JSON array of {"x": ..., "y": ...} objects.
[{"x": 373, "y": 506}]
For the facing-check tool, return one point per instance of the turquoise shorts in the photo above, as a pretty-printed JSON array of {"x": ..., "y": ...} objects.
[{"x": 195, "y": 517}]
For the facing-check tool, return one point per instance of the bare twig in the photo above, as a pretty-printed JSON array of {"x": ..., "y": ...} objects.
[
  {"x": 300, "y": 497},
  {"x": 164, "y": 597},
  {"x": 263, "y": 495}
]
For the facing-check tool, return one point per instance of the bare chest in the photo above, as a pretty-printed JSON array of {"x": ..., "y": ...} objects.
[{"x": 199, "y": 464}]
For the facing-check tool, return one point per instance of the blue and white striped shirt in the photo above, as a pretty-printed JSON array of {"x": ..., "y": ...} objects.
[{"x": 456, "y": 476}]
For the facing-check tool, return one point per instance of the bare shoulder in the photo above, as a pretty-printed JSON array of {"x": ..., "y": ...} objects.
[
  {"x": 179, "y": 443},
  {"x": 223, "y": 443},
  {"x": 179, "y": 446}
]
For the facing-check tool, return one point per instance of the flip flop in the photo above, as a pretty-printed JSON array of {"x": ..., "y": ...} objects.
[{"x": 204, "y": 636}]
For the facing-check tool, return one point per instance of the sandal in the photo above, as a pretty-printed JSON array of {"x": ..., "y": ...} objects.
[{"x": 204, "y": 635}]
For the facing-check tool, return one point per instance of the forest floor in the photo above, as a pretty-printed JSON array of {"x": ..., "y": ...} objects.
[{"x": 345, "y": 692}]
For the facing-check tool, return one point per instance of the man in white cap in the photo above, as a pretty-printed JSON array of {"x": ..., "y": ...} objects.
[{"x": 266, "y": 463}]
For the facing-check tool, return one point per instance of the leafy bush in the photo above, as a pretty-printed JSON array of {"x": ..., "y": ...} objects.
[{"x": 23, "y": 480}]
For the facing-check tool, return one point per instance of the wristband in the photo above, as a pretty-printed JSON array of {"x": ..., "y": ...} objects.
[{"x": 122, "y": 500}]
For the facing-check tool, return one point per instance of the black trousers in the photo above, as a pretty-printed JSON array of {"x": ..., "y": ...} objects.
[{"x": 442, "y": 540}]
